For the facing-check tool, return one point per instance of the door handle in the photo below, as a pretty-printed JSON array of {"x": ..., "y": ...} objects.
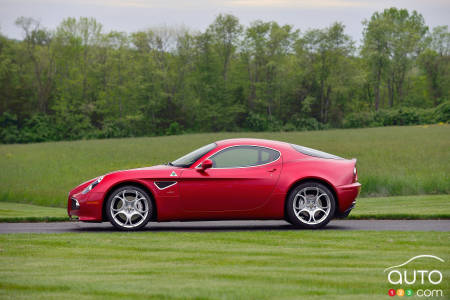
[{"x": 273, "y": 170}]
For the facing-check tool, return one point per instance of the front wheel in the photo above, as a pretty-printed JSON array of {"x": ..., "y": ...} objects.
[
  {"x": 310, "y": 205},
  {"x": 129, "y": 208}
]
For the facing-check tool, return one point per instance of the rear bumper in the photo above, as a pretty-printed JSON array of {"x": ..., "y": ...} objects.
[
  {"x": 346, "y": 195},
  {"x": 342, "y": 215}
]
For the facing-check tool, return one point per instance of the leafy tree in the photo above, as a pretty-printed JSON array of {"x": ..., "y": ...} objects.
[
  {"x": 391, "y": 38},
  {"x": 266, "y": 50},
  {"x": 329, "y": 52},
  {"x": 39, "y": 51},
  {"x": 79, "y": 81},
  {"x": 435, "y": 63}
]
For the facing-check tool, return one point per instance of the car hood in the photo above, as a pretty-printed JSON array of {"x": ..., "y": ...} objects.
[
  {"x": 153, "y": 172},
  {"x": 158, "y": 171},
  {"x": 152, "y": 168}
]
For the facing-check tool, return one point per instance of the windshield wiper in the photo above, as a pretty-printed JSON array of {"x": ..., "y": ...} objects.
[{"x": 170, "y": 164}]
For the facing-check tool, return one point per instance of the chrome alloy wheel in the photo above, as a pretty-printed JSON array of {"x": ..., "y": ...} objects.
[
  {"x": 129, "y": 208},
  {"x": 311, "y": 205}
]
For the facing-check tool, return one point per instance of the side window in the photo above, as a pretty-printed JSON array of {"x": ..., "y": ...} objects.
[{"x": 244, "y": 156}]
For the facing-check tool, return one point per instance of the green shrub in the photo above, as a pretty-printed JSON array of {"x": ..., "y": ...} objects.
[
  {"x": 174, "y": 129},
  {"x": 289, "y": 127},
  {"x": 274, "y": 124},
  {"x": 73, "y": 126},
  {"x": 257, "y": 122},
  {"x": 304, "y": 123},
  {"x": 398, "y": 116},
  {"x": 112, "y": 129},
  {"x": 39, "y": 128},
  {"x": 407, "y": 116},
  {"x": 9, "y": 131},
  {"x": 128, "y": 126},
  {"x": 442, "y": 112},
  {"x": 426, "y": 116},
  {"x": 359, "y": 119}
]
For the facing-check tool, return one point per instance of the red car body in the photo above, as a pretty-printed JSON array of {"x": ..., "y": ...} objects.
[{"x": 257, "y": 192}]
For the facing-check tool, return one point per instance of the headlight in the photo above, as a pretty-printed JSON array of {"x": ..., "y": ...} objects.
[{"x": 92, "y": 185}]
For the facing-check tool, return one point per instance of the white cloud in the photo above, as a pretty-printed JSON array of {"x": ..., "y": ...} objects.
[
  {"x": 132, "y": 15},
  {"x": 297, "y": 3},
  {"x": 203, "y": 3}
]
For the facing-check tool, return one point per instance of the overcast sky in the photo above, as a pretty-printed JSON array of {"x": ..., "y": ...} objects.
[{"x": 132, "y": 15}]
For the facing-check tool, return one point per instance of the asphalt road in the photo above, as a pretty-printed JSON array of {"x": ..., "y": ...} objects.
[{"x": 211, "y": 226}]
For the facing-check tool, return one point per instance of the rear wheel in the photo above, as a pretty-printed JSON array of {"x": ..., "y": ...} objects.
[
  {"x": 129, "y": 208},
  {"x": 310, "y": 205}
]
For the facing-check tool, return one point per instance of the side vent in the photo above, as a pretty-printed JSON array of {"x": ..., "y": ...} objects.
[{"x": 164, "y": 184}]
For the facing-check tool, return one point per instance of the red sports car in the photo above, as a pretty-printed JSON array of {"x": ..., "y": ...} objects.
[{"x": 229, "y": 179}]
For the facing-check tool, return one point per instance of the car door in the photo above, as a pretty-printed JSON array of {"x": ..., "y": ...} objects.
[{"x": 241, "y": 178}]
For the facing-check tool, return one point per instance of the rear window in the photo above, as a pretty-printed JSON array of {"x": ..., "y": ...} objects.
[{"x": 315, "y": 153}]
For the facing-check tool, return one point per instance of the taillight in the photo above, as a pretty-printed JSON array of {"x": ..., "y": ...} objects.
[{"x": 355, "y": 174}]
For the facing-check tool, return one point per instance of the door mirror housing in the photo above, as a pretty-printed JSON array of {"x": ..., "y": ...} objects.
[{"x": 206, "y": 164}]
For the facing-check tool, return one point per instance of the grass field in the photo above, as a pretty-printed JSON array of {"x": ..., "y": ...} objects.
[
  {"x": 391, "y": 160},
  {"x": 403, "y": 207},
  {"x": 225, "y": 265},
  {"x": 399, "y": 207},
  {"x": 18, "y": 212}
]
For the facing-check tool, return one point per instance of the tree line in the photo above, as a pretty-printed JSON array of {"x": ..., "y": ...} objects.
[{"x": 78, "y": 81}]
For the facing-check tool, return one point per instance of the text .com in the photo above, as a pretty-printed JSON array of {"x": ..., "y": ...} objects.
[{"x": 419, "y": 293}]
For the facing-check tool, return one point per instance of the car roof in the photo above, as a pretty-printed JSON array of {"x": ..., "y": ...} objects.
[
  {"x": 280, "y": 146},
  {"x": 252, "y": 141}
]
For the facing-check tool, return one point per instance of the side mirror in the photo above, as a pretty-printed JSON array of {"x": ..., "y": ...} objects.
[{"x": 206, "y": 164}]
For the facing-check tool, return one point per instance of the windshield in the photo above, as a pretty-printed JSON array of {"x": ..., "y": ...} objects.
[{"x": 187, "y": 160}]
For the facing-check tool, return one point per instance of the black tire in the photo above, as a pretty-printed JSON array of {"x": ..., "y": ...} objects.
[
  {"x": 291, "y": 216},
  {"x": 127, "y": 192}
]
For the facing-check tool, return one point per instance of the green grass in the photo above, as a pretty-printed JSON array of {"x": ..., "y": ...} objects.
[
  {"x": 399, "y": 207},
  {"x": 391, "y": 160},
  {"x": 17, "y": 212},
  {"x": 403, "y": 207},
  {"x": 225, "y": 265}
]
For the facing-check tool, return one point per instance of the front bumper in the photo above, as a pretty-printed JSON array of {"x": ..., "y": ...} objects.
[
  {"x": 87, "y": 207},
  {"x": 347, "y": 195}
]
